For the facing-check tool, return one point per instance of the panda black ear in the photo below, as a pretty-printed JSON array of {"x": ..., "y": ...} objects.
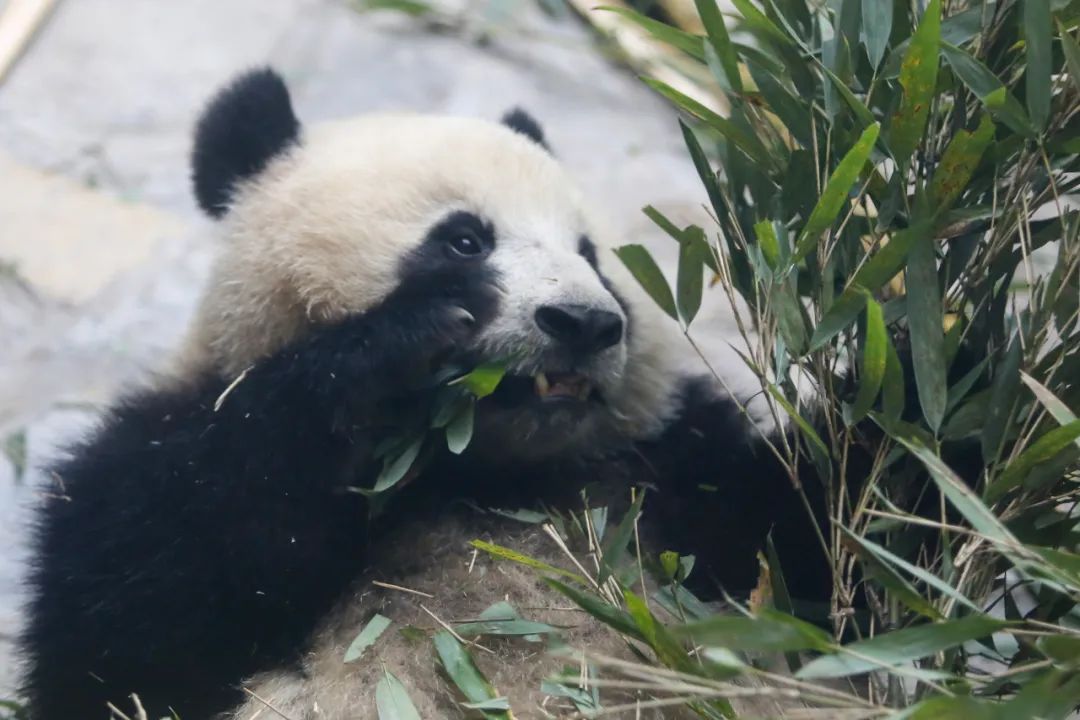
[
  {"x": 245, "y": 125},
  {"x": 522, "y": 122}
]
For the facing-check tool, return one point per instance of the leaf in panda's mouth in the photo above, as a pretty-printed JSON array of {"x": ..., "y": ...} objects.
[{"x": 562, "y": 386}]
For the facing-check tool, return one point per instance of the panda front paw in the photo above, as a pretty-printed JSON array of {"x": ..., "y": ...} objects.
[{"x": 451, "y": 317}]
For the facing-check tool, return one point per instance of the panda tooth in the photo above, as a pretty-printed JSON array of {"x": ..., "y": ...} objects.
[{"x": 542, "y": 384}]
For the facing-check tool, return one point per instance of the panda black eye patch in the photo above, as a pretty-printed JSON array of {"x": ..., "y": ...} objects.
[{"x": 462, "y": 236}]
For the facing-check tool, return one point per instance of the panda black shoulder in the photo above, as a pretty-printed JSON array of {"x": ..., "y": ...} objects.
[{"x": 244, "y": 126}]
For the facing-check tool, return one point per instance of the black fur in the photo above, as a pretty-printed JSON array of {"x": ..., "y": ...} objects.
[
  {"x": 522, "y": 122},
  {"x": 243, "y": 127},
  {"x": 721, "y": 492},
  {"x": 192, "y": 545}
]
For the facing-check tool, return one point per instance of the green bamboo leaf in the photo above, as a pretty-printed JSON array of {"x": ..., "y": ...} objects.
[
  {"x": 1040, "y": 451},
  {"x": 689, "y": 283},
  {"x": 900, "y": 646},
  {"x": 617, "y": 541},
  {"x": 1003, "y": 394},
  {"x": 704, "y": 171},
  {"x": 840, "y": 315},
  {"x": 770, "y": 246},
  {"x": 720, "y": 41},
  {"x": 459, "y": 431},
  {"x": 958, "y": 493},
  {"x": 367, "y": 637},
  {"x": 874, "y": 356},
  {"x": 789, "y": 315},
  {"x": 892, "y": 386},
  {"x": 875, "y": 272},
  {"x": 769, "y": 631},
  {"x": 891, "y": 580},
  {"x": 915, "y": 571},
  {"x": 392, "y": 701},
  {"x": 757, "y": 22},
  {"x": 599, "y": 609},
  {"x": 1055, "y": 407},
  {"x": 989, "y": 89},
  {"x": 863, "y": 113},
  {"x": 645, "y": 270},
  {"x": 483, "y": 379},
  {"x": 818, "y": 448},
  {"x": 918, "y": 77},
  {"x": 1071, "y": 50},
  {"x": 877, "y": 19},
  {"x": 514, "y": 556},
  {"x": 1038, "y": 68},
  {"x": 395, "y": 468},
  {"x": 738, "y": 137},
  {"x": 958, "y": 164},
  {"x": 927, "y": 336},
  {"x": 836, "y": 192},
  {"x": 690, "y": 44},
  {"x": 462, "y": 670}
]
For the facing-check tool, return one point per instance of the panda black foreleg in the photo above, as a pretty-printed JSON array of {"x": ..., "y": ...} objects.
[
  {"x": 201, "y": 533},
  {"x": 722, "y": 492}
]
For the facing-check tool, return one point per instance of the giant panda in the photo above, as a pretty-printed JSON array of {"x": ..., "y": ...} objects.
[{"x": 205, "y": 548}]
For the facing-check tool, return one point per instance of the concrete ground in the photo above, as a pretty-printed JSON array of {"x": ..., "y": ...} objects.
[{"x": 102, "y": 250}]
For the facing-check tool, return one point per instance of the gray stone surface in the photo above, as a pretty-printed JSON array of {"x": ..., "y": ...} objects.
[{"x": 94, "y": 126}]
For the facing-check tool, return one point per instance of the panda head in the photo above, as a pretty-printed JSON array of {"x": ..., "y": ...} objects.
[{"x": 324, "y": 222}]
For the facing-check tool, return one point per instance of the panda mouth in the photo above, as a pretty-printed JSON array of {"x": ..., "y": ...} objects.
[{"x": 563, "y": 386}]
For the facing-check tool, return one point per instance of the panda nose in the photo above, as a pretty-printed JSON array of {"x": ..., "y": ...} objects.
[{"x": 581, "y": 328}]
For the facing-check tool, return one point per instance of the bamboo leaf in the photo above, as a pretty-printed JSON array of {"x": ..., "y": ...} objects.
[
  {"x": 738, "y": 137},
  {"x": 836, "y": 192},
  {"x": 958, "y": 493},
  {"x": 689, "y": 283},
  {"x": 767, "y": 632},
  {"x": 690, "y": 44},
  {"x": 395, "y": 468},
  {"x": 392, "y": 701},
  {"x": 367, "y": 637},
  {"x": 989, "y": 89},
  {"x": 599, "y": 609},
  {"x": 720, "y": 41},
  {"x": 1038, "y": 69},
  {"x": 958, "y": 164},
  {"x": 915, "y": 571},
  {"x": 874, "y": 357},
  {"x": 616, "y": 542},
  {"x": 877, "y": 19},
  {"x": 1071, "y": 50},
  {"x": 840, "y": 315},
  {"x": 818, "y": 448},
  {"x": 918, "y": 77},
  {"x": 1055, "y": 407},
  {"x": 758, "y": 22},
  {"x": 891, "y": 580},
  {"x": 645, "y": 270},
  {"x": 459, "y": 431},
  {"x": 900, "y": 646},
  {"x": 927, "y": 336},
  {"x": 892, "y": 395},
  {"x": 513, "y": 555},
  {"x": 483, "y": 379},
  {"x": 1040, "y": 451},
  {"x": 704, "y": 171},
  {"x": 462, "y": 670},
  {"x": 1003, "y": 393}
]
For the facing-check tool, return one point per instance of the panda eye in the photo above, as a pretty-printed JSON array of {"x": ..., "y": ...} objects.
[{"x": 465, "y": 245}]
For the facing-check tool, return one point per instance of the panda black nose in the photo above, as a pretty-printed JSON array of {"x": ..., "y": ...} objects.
[{"x": 580, "y": 328}]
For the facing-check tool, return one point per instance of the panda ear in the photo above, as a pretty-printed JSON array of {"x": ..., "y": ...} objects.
[
  {"x": 246, "y": 124},
  {"x": 522, "y": 122}
]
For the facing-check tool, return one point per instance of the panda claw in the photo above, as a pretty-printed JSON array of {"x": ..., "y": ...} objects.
[{"x": 464, "y": 315}]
